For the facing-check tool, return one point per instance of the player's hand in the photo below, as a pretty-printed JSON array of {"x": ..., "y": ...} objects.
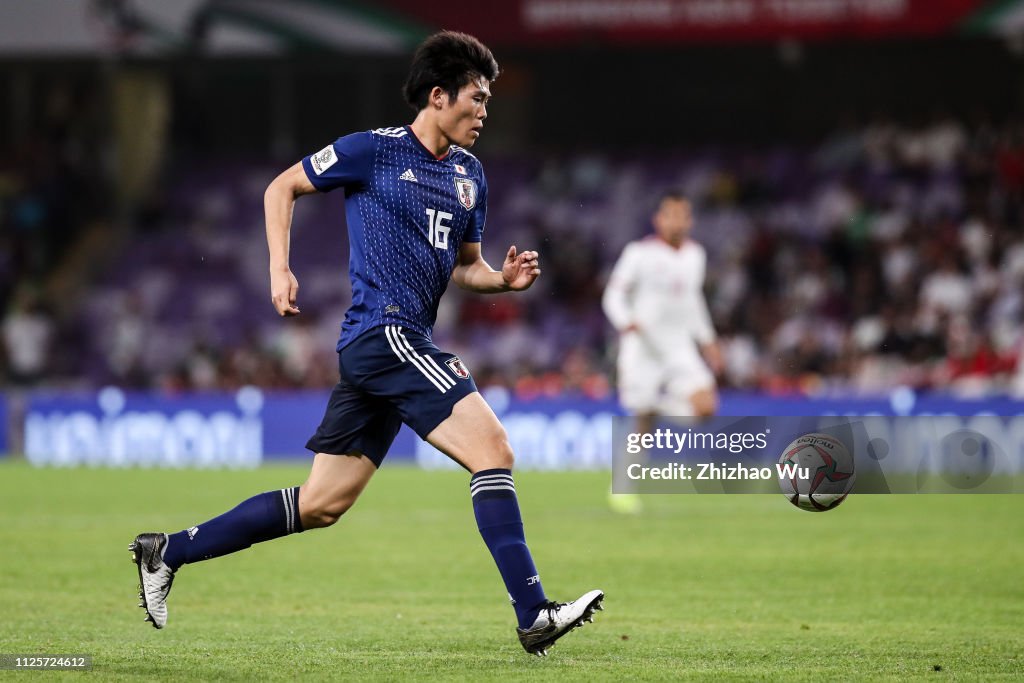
[
  {"x": 519, "y": 271},
  {"x": 284, "y": 289}
]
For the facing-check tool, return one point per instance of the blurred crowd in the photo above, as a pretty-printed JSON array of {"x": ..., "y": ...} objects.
[
  {"x": 890, "y": 254},
  {"x": 904, "y": 267},
  {"x": 52, "y": 188}
]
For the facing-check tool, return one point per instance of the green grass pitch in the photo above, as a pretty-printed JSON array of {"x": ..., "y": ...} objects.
[{"x": 698, "y": 586}]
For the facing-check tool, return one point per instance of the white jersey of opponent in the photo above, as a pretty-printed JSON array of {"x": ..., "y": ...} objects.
[{"x": 660, "y": 290}]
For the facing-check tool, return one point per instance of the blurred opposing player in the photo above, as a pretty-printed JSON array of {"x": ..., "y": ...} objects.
[
  {"x": 416, "y": 202},
  {"x": 655, "y": 300}
]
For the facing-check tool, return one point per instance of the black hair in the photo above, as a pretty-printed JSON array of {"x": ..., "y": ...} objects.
[
  {"x": 449, "y": 60},
  {"x": 674, "y": 193}
]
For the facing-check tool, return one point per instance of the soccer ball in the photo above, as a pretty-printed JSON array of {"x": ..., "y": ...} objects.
[{"x": 816, "y": 472}]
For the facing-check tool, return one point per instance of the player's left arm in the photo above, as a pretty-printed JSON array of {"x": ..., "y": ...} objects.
[
  {"x": 704, "y": 329},
  {"x": 473, "y": 273}
]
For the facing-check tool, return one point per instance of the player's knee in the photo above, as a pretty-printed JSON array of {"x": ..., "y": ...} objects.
[
  {"x": 323, "y": 513},
  {"x": 504, "y": 458},
  {"x": 496, "y": 452}
]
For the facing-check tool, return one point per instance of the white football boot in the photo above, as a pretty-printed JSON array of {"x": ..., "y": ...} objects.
[
  {"x": 558, "y": 618},
  {"x": 155, "y": 577}
]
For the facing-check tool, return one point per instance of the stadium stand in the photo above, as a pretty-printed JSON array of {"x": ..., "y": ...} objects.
[{"x": 890, "y": 254}]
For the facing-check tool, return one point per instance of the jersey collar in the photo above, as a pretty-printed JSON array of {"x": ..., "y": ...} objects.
[
  {"x": 668, "y": 245},
  {"x": 424, "y": 147}
]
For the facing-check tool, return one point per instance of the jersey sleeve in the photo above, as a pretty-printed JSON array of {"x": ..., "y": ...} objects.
[
  {"x": 617, "y": 299},
  {"x": 475, "y": 233},
  {"x": 343, "y": 163}
]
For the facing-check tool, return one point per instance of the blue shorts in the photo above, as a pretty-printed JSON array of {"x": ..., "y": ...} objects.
[{"x": 389, "y": 376}]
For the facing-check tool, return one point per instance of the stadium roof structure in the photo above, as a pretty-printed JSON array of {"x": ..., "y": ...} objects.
[
  {"x": 213, "y": 27},
  {"x": 270, "y": 27}
]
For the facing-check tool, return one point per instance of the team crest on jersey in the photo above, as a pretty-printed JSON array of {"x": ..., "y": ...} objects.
[
  {"x": 458, "y": 367},
  {"x": 466, "y": 189}
]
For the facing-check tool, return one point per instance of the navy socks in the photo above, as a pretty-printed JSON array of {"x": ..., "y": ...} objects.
[
  {"x": 261, "y": 518},
  {"x": 497, "y": 516},
  {"x": 276, "y": 513}
]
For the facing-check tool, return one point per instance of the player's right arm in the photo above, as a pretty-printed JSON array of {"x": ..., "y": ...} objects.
[
  {"x": 278, "y": 203},
  {"x": 343, "y": 163},
  {"x": 617, "y": 300}
]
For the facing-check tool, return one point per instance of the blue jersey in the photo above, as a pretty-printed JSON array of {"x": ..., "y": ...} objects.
[{"x": 408, "y": 214}]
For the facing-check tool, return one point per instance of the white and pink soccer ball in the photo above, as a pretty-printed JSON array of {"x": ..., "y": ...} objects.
[{"x": 829, "y": 469}]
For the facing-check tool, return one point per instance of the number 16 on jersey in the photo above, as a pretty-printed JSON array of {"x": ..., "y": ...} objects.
[{"x": 438, "y": 235}]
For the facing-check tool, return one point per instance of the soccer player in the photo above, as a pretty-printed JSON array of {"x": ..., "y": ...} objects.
[
  {"x": 655, "y": 299},
  {"x": 416, "y": 201}
]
